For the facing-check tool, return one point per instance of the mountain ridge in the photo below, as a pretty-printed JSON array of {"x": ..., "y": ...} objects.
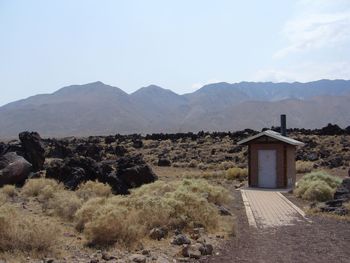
[{"x": 97, "y": 108}]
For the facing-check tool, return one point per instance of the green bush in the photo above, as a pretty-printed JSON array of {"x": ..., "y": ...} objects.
[
  {"x": 318, "y": 191},
  {"x": 332, "y": 181},
  {"x": 317, "y": 186}
]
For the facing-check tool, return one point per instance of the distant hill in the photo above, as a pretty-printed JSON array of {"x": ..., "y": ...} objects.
[{"x": 99, "y": 109}]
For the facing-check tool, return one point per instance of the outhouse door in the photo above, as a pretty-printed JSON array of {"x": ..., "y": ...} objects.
[{"x": 267, "y": 168}]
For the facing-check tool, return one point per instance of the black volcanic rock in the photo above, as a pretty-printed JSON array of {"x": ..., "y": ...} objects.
[
  {"x": 332, "y": 129},
  {"x": 34, "y": 151},
  {"x": 134, "y": 172},
  {"x": 164, "y": 162},
  {"x": 124, "y": 173},
  {"x": 120, "y": 150},
  {"x": 58, "y": 149}
]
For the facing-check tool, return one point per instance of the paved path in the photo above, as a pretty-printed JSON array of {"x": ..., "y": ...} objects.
[{"x": 269, "y": 208}]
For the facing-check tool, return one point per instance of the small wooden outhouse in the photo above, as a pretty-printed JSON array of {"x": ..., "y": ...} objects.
[{"x": 271, "y": 160}]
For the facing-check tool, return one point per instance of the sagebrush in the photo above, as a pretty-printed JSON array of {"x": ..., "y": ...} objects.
[
  {"x": 176, "y": 205},
  {"x": 317, "y": 186}
]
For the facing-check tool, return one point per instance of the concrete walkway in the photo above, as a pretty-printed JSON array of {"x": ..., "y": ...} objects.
[{"x": 269, "y": 208}]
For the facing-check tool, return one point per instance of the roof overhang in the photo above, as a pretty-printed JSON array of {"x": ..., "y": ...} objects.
[{"x": 274, "y": 135}]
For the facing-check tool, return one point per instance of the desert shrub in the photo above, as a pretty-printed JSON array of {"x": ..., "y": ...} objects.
[
  {"x": 226, "y": 165},
  {"x": 34, "y": 187},
  {"x": 317, "y": 186},
  {"x": 304, "y": 166},
  {"x": 92, "y": 189},
  {"x": 318, "y": 191},
  {"x": 47, "y": 192},
  {"x": 203, "y": 174},
  {"x": 9, "y": 190},
  {"x": 126, "y": 219},
  {"x": 193, "y": 164},
  {"x": 85, "y": 213},
  {"x": 111, "y": 224},
  {"x": 214, "y": 194},
  {"x": 236, "y": 173},
  {"x": 332, "y": 181},
  {"x": 21, "y": 232},
  {"x": 64, "y": 204}
]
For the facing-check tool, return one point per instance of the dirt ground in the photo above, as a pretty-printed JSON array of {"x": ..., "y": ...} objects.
[{"x": 326, "y": 239}]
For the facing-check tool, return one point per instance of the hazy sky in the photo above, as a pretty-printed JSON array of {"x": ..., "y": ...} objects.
[{"x": 179, "y": 44}]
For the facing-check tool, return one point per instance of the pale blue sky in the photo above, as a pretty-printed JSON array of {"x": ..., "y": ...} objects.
[{"x": 179, "y": 45}]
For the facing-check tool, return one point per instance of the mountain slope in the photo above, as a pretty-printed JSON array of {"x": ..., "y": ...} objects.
[{"x": 97, "y": 108}]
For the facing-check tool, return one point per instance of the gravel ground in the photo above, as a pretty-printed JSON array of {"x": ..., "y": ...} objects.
[{"x": 324, "y": 240}]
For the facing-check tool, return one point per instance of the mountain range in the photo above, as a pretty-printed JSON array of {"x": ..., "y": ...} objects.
[{"x": 100, "y": 109}]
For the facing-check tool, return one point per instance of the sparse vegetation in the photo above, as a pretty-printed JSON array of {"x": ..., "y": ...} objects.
[
  {"x": 36, "y": 187},
  {"x": 184, "y": 204},
  {"x": 92, "y": 189},
  {"x": 23, "y": 233},
  {"x": 304, "y": 166},
  {"x": 226, "y": 165},
  {"x": 64, "y": 204},
  {"x": 186, "y": 197},
  {"x": 8, "y": 190},
  {"x": 317, "y": 186},
  {"x": 85, "y": 213},
  {"x": 236, "y": 173}
]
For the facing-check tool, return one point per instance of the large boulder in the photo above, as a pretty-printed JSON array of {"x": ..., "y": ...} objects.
[
  {"x": 73, "y": 171},
  {"x": 122, "y": 174},
  {"x": 164, "y": 162},
  {"x": 34, "y": 151},
  {"x": 134, "y": 172},
  {"x": 91, "y": 150},
  {"x": 341, "y": 196},
  {"x": 14, "y": 169}
]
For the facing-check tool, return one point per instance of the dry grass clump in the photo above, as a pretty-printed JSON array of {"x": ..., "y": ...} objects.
[
  {"x": 54, "y": 198},
  {"x": 126, "y": 219},
  {"x": 92, "y": 189},
  {"x": 36, "y": 187},
  {"x": 203, "y": 175},
  {"x": 85, "y": 213},
  {"x": 24, "y": 233},
  {"x": 64, "y": 204},
  {"x": 3, "y": 199},
  {"x": 111, "y": 224},
  {"x": 304, "y": 166},
  {"x": 236, "y": 173},
  {"x": 8, "y": 191},
  {"x": 226, "y": 165},
  {"x": 317, "y": 186}
]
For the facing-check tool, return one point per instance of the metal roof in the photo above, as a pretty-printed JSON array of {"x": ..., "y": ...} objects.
[{"x": 274, "y": 135}]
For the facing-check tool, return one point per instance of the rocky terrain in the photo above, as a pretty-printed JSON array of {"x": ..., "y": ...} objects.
[{"x": 131, "y": 172}]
